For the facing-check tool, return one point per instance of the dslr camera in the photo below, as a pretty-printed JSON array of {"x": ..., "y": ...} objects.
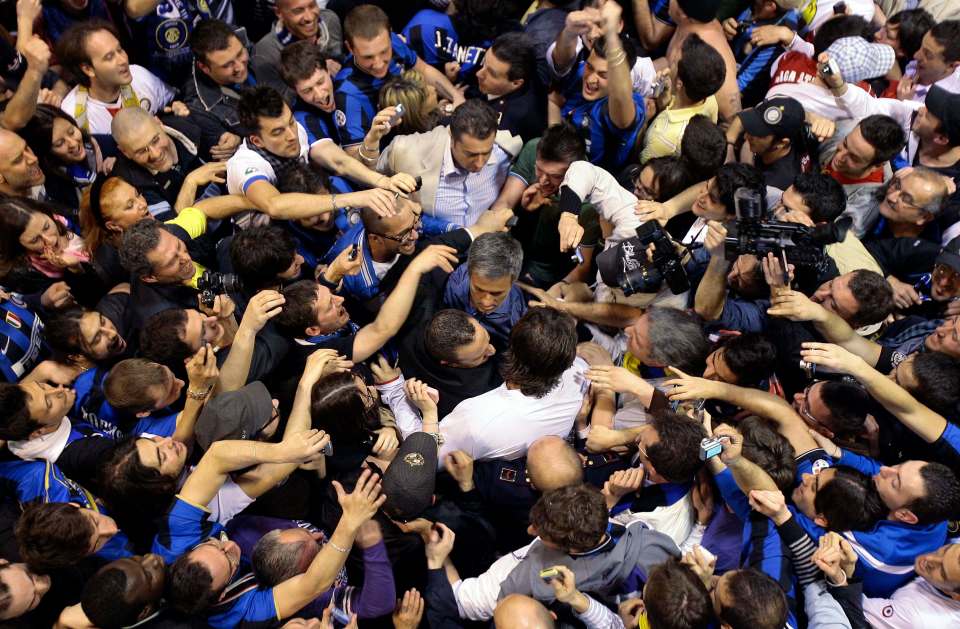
[
  {"x": 626, "y": 265},
  {"x": 211, "y": 284},
  {"x": 754, "y": 234}
]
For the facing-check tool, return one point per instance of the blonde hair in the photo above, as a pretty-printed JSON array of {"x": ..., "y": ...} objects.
[{"x": 410, "y": 90}]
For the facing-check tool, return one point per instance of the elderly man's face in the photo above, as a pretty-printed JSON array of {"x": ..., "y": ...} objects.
[
  {"x": 19, "y": 168},
  {"x": 149, "y": 146},
  {"x": 907, "y": 198}
]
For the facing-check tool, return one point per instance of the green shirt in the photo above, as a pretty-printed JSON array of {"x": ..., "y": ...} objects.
[{"x": 542, "y": 256}]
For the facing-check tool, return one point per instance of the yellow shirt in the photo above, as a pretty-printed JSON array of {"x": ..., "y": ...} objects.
[
  {"x": 666, "y": 130},
  {"x": 194, "y": 222}
]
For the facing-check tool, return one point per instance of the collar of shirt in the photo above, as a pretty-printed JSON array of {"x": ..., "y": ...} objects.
[{"x": 449, "y": 165}]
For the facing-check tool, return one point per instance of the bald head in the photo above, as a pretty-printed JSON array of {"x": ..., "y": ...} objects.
[
  {"x": 377, "y": 224},
  {"x": 129, "y": 122},
  {"x": 19, "y": 169},
  {"x": 141, "y": 138},
  {"x": 552, "y": 463},
  {"x": 522, "y": 612}
]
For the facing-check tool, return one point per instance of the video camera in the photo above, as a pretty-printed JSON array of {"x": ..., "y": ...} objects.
[
  {"x": 753, "y": 234},
  {"x": 626, "y": 264},
  {"x": 211, "y": 284}
]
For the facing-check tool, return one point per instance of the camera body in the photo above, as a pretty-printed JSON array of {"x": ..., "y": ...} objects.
[
  {"x": 753, "y": 234},
  {"x": 639, "y": 276},
  {"x": 711, "y": 447},
  {"x": 210, "y": 284}
]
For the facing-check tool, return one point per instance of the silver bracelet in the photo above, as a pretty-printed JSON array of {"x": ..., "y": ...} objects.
[{"x": 337, "y": 548}]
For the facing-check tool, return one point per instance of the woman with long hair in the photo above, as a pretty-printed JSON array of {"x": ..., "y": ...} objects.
[
  {"x": 69, "y": 156},
  {"x": 38, "y": 250}
]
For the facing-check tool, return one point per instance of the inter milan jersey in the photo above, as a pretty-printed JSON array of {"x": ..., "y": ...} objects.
[
  {"x": 432, "y": 36},
  {"x": 91, "y": 407},
  {"x": 608, "y": 146},
  {"x": 44, "y": 482},
  {"x": 21, "y": 339},
  {"x": 318, "y": 124},
  {"x": 358, "y": 93}
]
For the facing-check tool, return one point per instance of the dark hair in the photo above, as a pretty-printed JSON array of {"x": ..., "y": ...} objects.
[
  {"x": 53, "y": 535},
  {"x": 162, "y": 338},
  {"x": 477, "y": 20},
  {"x": 337, "y": 407},
  {"x": 126, "y": 386},
  {"x": 71, "y": 48},
  {"x": 475, "y": 118},
  {"x": 139, "y": 240},
  {"x": 756, "y": 601},
  {"x": 516, "y": 50},
  {"x": 914, "y": 24},
  {"x": 947, "y": 34},
  {"x": 259, "y": 102},
  {"x": 302, "y": 178},
  {"x": 701, "y": 68},
  {"x": 769, "y": 450},
  {"x": 260, "y": 254},
  {"x": 676, "y": 455},
  {"x": 732, "y": 176},
  {"x": 703, "y": 147},
  {"x": 676, "y": 339},
  {"x": 671, "y": 174},
  {"x": 848, "y": 403},
  {"x": 38, "y": 133},
  {"x": 822, "y": 194},
  {"x": 189, "y": 586},
  {"x": 561, "y": 143},
  {"x": 448, "y": 330},
  {"x": 210, "y": 36},
  {"x": 104, "y": 599},
  {"x": 299, "y": 308},
  {"x": 365, "y": 22},
  {"x": 837, "y": 28},
  {"x": 130, "y": 486},
  {"x": 629, "y": 47},
  {"x": 543, "y": 345},
  {"x": 750, "y": 356},
  {"x": 850, "y": 501},
  {"x": 15, "y": 213},
  {"x": 942, "y": 499},
  {"x": 300, "y": 60},
  {"x": 874, "y": 297},
  {"x": 16, "y": 423},
  {"x": 573, "y": 518},
  {"x": 274, "y": 561},
  {"x": 62, "y": 332},
  {"x": 884, "y": 134},
  {"x": 675, "y": 597},
  {"x": 938, "y": 381}
]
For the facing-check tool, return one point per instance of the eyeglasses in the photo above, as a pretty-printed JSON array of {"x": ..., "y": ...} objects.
[
  {"x": 905, "y": 198},
  {"x": 405, "y": 235},
  {"x": 805, "y": 408}
]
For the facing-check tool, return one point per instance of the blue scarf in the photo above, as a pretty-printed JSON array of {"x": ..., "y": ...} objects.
[{"x": 347, "y": 330}]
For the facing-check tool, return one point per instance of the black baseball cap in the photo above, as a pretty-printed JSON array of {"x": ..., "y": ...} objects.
[
  {"x": 780, "y": 116},
  {"x": 950, "y": 255},
  {"x": 410, "y": 480},
  {"x": 945, "y": 107}
]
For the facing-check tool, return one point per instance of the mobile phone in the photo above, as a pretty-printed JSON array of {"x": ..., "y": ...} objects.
[
  {"x": 397, "y": 117},
  {"x": 328, "y": 449},
  {"x": 354, "y": 252},
  {"x": 829, "y": 68},
  {"x": 577, "y": 256},
  {"x": 549, "y": 574},
  {"x": 657, "y": 88},
  {"x": 840, "y": 8},
  {"x": 512, "y": 220}
]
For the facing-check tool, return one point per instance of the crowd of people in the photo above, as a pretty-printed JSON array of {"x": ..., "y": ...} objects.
[{"x": 467, "y": 313}]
